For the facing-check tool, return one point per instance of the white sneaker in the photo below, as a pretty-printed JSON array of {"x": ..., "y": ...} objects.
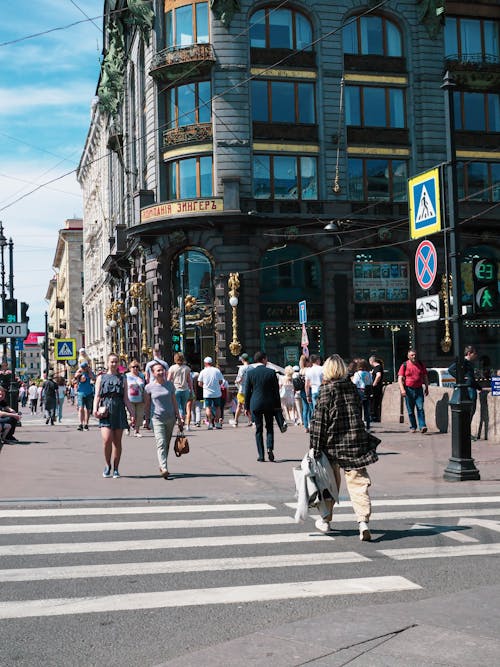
[
  {"x": 187, "y": 427},
  {"x": 364, "y": 532},
  {"x": 138, "y": 435},
  {"x": 322, "y": 525}
]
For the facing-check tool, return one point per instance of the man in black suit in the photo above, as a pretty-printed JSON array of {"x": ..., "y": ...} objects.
[{"x": 262, "y": 398}]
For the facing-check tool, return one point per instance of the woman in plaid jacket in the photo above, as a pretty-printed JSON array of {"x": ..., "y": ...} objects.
[{"x": 337, "y": 429}]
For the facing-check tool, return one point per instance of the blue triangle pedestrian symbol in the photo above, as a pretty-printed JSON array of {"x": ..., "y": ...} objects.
[
  {"x": 66, "y": 350},
  {"x": 425, "y": 208}
]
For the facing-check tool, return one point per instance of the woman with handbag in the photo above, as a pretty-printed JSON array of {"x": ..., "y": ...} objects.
[
  {"x": 337, "y": 429},
  {"x": 110, "y": 400},
  {"x": 160, "y": 399},
  {"x": 135, "y": 387}
]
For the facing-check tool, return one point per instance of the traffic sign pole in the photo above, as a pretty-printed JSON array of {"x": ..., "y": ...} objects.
[{"x": 461, "y": 465}]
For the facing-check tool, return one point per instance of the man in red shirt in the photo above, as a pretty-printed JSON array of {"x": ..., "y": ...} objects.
[{"x": 413, "y": 384}]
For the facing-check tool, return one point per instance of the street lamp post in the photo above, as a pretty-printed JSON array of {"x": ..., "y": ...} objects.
[
  {"x": 394, "y": 331},
  {"x": 3, "y": 243},
  {"x": 460, "y": 465}
]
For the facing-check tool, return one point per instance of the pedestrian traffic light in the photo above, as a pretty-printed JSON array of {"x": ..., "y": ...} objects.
[
  {"x": 10, "y": 310},
  {"x": 485, "y": 276},
  {"x": 24, "y": 310},
  {"x": 176, "y": 342}
]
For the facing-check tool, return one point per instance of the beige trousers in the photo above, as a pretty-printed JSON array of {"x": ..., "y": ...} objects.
[{"x": 357, "y": 482}]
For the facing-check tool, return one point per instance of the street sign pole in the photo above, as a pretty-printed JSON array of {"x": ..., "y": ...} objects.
[{"x": 460, "y": 466}]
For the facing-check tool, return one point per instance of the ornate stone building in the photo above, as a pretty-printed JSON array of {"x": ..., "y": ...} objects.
[
  {"x": 65, "y": 291},
  {"x": 275, "y": 142}
]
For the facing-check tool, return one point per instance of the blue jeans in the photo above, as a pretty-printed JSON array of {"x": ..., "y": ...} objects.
[
  {"x": 306, "y": 410},
  {"x": 415, "y": 399},
  {"x": 182, "y": 397},
  {"x": 60, "y": 407}
]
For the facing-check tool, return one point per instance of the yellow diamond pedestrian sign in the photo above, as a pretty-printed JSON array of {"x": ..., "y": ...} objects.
[
  {"x": 424, "y": 197},
  {"x": 64, "y": 349}
]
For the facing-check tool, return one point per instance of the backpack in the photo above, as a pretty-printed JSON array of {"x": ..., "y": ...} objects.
[{"x": 299, "y": 384}]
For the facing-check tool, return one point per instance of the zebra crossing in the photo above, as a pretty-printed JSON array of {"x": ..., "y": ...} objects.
[{"x": 73, "y": 547}]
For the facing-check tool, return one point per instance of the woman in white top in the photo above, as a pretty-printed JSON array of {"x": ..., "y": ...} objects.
[
  {"x": 362, "y": 378},
  {"x": 135, "y": 389},
  {"x": 180, "y": 375},
  {"x": 61, "y": 391},
  {"x": 287, "y": 394}
]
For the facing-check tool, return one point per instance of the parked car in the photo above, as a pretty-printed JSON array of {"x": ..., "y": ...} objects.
[{"x": 439, "y": 377}]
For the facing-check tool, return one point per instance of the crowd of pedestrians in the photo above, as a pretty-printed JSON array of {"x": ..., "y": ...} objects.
[{"x": 335, "y": 403}]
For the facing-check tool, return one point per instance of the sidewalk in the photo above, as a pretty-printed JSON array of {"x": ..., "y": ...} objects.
[{"x": 60, "y": 463}]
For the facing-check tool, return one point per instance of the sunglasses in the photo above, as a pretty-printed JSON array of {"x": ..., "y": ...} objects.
[{"x": 134, "y": 366}]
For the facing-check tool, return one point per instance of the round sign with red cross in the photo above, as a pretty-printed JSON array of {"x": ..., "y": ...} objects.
[{"x": 426, "y": 264}]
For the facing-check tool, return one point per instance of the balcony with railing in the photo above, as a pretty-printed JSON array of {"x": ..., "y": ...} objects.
[
  {"x": 480, "y": 71},
  {"x": 177, "y": 62},
  {"x": 188, "y": 134}
]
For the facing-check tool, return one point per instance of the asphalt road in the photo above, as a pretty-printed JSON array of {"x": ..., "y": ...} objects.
[
  {"x": 210, "y": 567},
  {"x": 141, "y": 585}
]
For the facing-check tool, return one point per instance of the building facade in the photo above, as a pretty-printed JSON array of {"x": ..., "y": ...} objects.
[
  {"x": 258, "y": 156},
  {"x": 65, "y": 290}
]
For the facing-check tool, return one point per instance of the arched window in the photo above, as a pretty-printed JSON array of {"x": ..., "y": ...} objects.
[
  {"x": 372, "y": 35},
  {"x": 272, "y": 28},
  {"x": 192, "y": 274}
]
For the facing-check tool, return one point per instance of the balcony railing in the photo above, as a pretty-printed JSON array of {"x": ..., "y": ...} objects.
[
  {"x": 188, "y": 134},
  {"x": 191, "y": 60},
  {"x": 480, "y": 71}
]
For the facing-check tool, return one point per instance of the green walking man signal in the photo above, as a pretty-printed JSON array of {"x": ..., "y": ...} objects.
[{"x": 485, "y": 277}]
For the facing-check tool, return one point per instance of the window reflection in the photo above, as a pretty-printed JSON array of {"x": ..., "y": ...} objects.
[
  {"x": 377, "y": 179},
  {"x": 372, "y": 35},
  {"x": 285, "y": 177},
  {"x": 280, "y": 29},
  {"x": 187, "y": 25},
  {"x": 190, "y": 178}
]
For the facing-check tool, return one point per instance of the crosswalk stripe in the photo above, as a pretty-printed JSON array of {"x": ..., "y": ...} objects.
[
  {"x": 142, "y": 525},
  {"x": 169, "y": 543},
  {"x": 417, "y": 514},
  {"x": 177, "y": 566},
  {"x": 414, "y": 502},
  {"x": 204, "y": 596},
  {"x": 442, "y": 552},
  {"x": 113, "y": 511}
]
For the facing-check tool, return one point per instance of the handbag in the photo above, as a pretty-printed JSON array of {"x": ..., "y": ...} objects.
[
  {"x": 102, "y": 411},
  {"x": 280, "y": 420},
  {"x": 181, "y": 444}
]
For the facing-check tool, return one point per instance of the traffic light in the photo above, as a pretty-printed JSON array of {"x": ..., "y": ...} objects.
[
  {"x": 10, "y": 310},
  {"x": 176, "y": 342},
  {"x": 485, "y": 275},
  {"x": 24, "y": 310}
]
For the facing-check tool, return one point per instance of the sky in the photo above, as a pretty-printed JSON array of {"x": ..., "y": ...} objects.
[{"x": 47, "y": 83}]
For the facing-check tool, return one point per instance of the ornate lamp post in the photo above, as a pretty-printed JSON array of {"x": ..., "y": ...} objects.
[
  {"x": 138, "y": 292},
  {"x": 234, "y": 285}
]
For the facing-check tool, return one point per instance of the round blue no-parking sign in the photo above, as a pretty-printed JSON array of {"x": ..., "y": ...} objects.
[{"x": 426, "y": 264}]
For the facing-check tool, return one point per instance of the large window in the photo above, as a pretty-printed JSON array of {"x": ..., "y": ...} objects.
[
  {"x": 187, "y": 24},
  {"x": 283, "y": 102},
  {"x": 189, "y": 104},
  {"x": 377, "y": 179},
  {"x": 372, "y": 35},
  {"x": 367, "y": 106},
  {"x": 280, "y": 29},
  {"x": 472, "y": 39},
  {"x": 477, "y": 111},
  {"x": 190, "y": 178},
  {"x": 285, "y": 177},
  {"x": 479, "y": 181}
]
